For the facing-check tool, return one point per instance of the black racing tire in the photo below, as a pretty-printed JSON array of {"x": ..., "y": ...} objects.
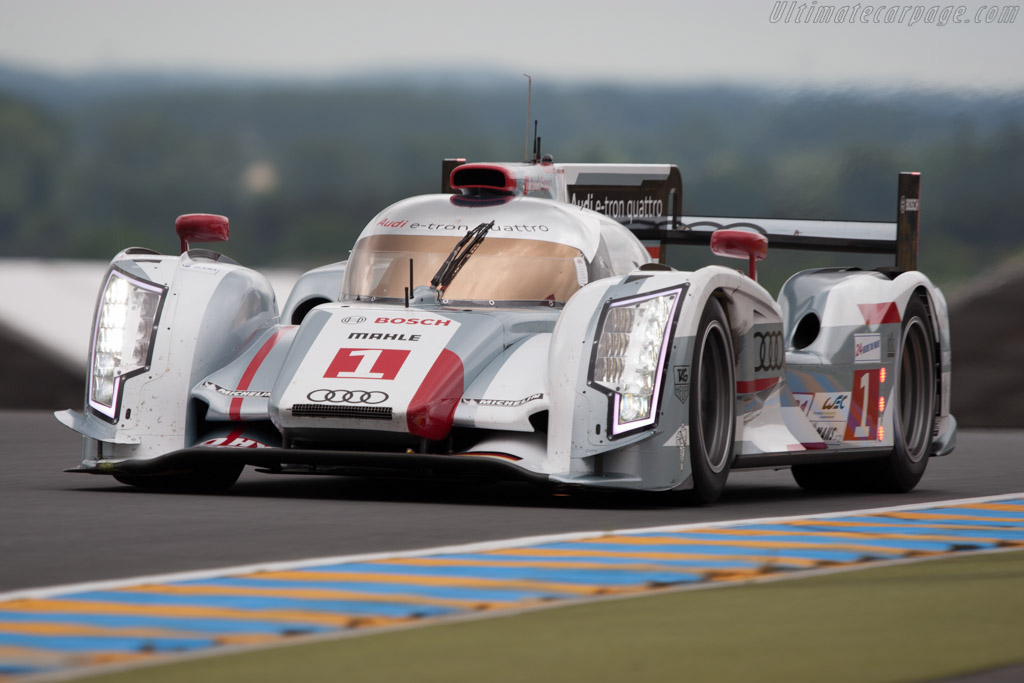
[
  {"x": 914, "y": 397},
  {"x": 214, "y": 479},
  {"x": 712, "y": 406}
]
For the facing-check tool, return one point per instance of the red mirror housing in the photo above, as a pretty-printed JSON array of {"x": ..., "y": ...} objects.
[
  {"x": 735, "y": 243},
  {"x": 201, "y": 227}
]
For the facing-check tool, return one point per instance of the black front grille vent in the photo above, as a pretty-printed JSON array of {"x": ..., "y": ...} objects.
[{"x": 344, "y": 412}]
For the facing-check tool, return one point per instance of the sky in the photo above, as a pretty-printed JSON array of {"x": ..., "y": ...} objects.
[{"x": 766, "y": 42}]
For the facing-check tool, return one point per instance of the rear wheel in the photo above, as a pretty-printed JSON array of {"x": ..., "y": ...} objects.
[
  {"x": 914, "y": 398},
  {"x": 712, "y": 406}
]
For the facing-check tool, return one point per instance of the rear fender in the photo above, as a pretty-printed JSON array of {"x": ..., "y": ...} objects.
[{"x": 847, "y": 306}]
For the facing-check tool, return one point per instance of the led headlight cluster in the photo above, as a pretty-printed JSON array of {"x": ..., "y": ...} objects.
[
  {"x": 632, "y": 340},
  {"x": 123, "y": 331}
]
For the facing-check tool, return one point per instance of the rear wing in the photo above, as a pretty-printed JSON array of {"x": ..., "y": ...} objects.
[{"x": 647, "y": 198}]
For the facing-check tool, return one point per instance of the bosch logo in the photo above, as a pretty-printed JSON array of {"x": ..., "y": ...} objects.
[
  {"x": 353, "y": 320},
  {"x": 436, "y": 322},
  {"x": 369, "y": 398},
  {"x": 769, "y": 353}
]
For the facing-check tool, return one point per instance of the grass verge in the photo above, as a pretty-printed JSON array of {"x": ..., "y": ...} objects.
[{"x": 918, "y": 621}]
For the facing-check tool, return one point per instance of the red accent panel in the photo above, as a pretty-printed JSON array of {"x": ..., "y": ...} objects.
[
  {"x": 815, "y": 446},
  {"x": 432, "y": 408},
  {"x": 755, "y": 385},
  {"x": 880, "y": 314},
  {"x": 235, "y": 411},
  {"x": 654, "y": 251}
]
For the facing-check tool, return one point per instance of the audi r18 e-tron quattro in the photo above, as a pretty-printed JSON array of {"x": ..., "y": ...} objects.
[{"x": 516, "y": 326}]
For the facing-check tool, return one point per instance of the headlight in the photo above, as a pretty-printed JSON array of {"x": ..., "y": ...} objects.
[
  {"x": 632, "y": 343},
  {"x": 126, "y": 318}
]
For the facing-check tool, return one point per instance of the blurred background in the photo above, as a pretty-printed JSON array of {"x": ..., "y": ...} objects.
[{"x": 302, "y": 120}]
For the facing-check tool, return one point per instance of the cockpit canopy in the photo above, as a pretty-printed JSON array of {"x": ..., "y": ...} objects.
[
  {"x": 535, "y": 251},
  {"x": 501, "y": 270}
]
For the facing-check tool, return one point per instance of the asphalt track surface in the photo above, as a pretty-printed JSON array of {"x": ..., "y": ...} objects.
[{"x": 62, "y": 528}]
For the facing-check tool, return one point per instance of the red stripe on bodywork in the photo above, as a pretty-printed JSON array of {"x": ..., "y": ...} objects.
[
  {"x": 880, "y": 314},
  {"x": 755, "y": 385},
  {"x": 432, "y": 409},
  {"x": 235, "y": 411}
]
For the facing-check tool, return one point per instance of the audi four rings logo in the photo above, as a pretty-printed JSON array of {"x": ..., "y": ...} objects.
[
  {"x": 370, "y": 398},
  {"x": 770, "y": 352}
]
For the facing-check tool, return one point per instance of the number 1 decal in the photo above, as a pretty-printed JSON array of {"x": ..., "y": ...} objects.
[
  {"x": 366, "y": 364},
  {"x": 862, "y": 423}
]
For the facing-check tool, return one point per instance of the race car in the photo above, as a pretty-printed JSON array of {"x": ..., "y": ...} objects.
[{"x": 517, "y": 326}]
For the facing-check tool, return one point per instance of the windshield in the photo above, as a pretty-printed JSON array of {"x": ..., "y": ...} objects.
[{"x": 501, "y": 269}]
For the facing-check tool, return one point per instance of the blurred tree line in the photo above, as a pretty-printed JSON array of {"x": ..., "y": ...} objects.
[{"x": 87, "y": 168}]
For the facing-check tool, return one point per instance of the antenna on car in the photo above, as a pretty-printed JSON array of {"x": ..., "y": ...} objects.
[
  {"x": 529, "y": 96},
  {"x": 536, "y": 143}
]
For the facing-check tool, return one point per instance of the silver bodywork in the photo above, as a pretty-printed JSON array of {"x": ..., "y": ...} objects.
[{"x": 333, "y": 384}]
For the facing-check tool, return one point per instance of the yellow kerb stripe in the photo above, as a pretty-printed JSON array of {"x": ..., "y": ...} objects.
[
  {"x": 554, "y": 564},
  {"x": 91, "y": 607},
  {"x": 863, "y": 535},
  {"x": 456, "y": 581},
  {"x": 768, "y": 558},
  {"x": 884, "y": 525},
  {"x": 774, "y": 545},
  {"x": 48, "y": 628},
  {"x": 969, "y": 518},
  {"x": 306, "y": 594},
  {"x": 1002, "y": 507}
]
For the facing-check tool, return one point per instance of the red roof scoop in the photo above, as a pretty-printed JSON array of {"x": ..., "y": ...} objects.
[
  {"x": 738, "y": 243},
  {"x": 201, "y": 227}
]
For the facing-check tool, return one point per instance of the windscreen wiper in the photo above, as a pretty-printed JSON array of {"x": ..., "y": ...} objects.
[{"x": 460, "y": 254}]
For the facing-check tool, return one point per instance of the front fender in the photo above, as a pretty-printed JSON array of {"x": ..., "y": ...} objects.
[{"x": 657, "y": 457}]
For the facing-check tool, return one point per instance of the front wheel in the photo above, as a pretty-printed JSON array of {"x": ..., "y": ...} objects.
[{"x": 712, "y": 405}]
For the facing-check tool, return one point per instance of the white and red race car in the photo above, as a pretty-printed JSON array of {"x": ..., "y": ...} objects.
[{"x": 515, "y": 326}]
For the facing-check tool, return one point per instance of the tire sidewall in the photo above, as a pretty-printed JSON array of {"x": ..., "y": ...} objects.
[
  {"x": 707, "y": 483},
  {"x": 907, "y": 471}
]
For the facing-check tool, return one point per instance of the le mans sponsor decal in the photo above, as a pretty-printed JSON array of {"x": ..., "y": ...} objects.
[
  {"x": 828, "y": 413},
  {"x": 867, "y": 348},
  {"x": 830, "y": 432},
  {"x": 829, "y": 407}
]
